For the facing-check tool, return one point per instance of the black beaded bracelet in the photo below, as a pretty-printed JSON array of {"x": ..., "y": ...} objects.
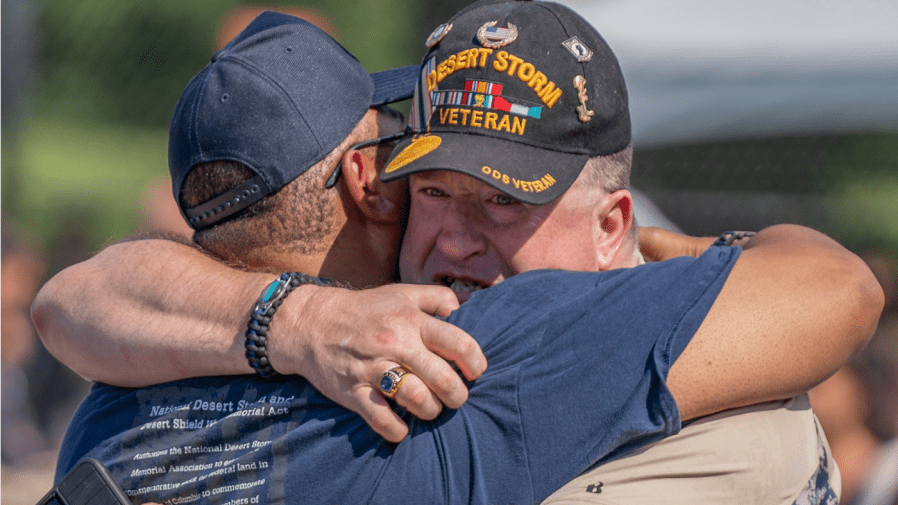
[
  {"x": 728, "y": 238},
  {"x": 266, "y": 306}
]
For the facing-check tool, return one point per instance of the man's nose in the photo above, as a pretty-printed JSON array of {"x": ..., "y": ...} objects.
[{"x": 459, "y": 238}]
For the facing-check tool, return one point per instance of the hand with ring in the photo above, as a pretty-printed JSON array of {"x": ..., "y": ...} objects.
[
  {"x": 344, "y": 355},
  {"x": 391, "y": 380}
]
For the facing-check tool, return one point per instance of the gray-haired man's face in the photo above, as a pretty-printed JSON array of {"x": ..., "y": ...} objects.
[{"x": 467, "y": 235}]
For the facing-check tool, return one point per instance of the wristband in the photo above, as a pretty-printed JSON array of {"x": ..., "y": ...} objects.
[
  {"x": 728, "y": 238},
  {"x": 257, "y": 326}
]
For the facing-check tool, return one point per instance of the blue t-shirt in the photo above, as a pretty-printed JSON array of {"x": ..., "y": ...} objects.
[{"x": 576, "y": 375}]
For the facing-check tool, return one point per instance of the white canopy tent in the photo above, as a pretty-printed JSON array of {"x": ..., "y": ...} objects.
[{"x": 701, "y": 70}]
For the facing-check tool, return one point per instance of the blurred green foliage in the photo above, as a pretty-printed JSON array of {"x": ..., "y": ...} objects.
[
  {"x": 867, "y": 211},
  {"x": 127, "y": 62},
  {"x": 93, "y": 171},
  {"x": 123, "y": 62}
]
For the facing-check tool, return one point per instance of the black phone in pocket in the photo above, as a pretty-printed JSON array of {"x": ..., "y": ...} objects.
[{"x": 89, "y": 483}]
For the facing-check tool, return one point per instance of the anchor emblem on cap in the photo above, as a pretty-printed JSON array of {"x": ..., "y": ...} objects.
[{"x": 583, "y": 113}]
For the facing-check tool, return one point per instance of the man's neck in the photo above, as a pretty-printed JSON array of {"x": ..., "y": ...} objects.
[
  {"x": 364, "y": 252},
  {"x": 362, "y": 256},
  {"x": 344, "y": 262},
  {"x": 352, "y": 257}
]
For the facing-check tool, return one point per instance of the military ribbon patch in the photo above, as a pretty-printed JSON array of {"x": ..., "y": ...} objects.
[{"x": 484, "y": 94}]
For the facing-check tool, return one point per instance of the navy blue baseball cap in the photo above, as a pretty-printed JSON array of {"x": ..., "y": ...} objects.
[
  {"x": 518, "y": 94},
  {"x": 278, "y": 98}
]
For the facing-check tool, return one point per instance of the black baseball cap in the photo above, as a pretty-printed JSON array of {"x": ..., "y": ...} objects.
[
  {"x": 518, "y": 94},
  {"x": 278, "y": 98}
]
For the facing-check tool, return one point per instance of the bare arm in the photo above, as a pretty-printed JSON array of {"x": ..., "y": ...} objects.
[
  {"x": 795, "y": 308},
  {"x": 152, "y": 311},
  {"x": 145, "y": 312}
]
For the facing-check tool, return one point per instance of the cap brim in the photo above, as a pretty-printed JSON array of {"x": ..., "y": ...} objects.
[
  {"x": 528, "y": 174},
  {"x": 394, "y": 85}
]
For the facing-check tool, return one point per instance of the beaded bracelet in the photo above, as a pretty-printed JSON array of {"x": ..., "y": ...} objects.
[
  {"x": 266, "y": 306},
  {"x": 728, "y": 238}
]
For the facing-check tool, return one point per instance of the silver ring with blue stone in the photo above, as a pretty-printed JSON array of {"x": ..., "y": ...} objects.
[{"x": 391, "y": 380}]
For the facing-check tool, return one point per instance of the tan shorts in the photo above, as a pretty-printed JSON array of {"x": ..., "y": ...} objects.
[{"x": 773, "y": 453}]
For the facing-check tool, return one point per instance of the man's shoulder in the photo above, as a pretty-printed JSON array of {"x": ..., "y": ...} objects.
[
  {"x": 521, "y": 315},
  {"x": 541, "y": 290}
]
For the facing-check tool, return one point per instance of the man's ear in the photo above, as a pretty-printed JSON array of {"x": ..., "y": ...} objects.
[
  {"x": 366, "y": 190},
  {"x": 613, "y": 219}
]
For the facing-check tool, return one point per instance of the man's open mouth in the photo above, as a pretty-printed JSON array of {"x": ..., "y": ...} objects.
[{"x": 461, "y": 286}]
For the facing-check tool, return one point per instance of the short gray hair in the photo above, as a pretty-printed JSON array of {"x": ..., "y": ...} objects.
[{"x": 610, "y": 172}]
